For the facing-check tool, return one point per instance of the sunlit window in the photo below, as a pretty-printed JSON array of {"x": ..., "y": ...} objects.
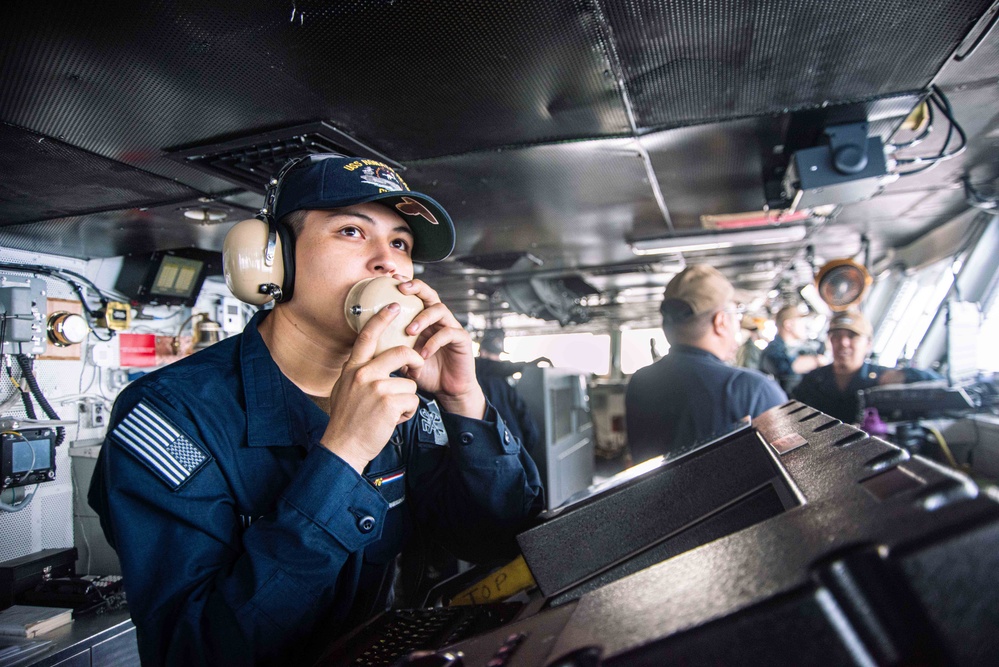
[
  {"x": 988, "y": 354},
  {"x": 585, "y": 352},
  {"x": 636, "y": 350},
  {"x": 912, "y": 312}
]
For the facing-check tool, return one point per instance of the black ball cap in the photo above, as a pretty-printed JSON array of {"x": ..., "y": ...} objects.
[{"x": 328, "y": 182}]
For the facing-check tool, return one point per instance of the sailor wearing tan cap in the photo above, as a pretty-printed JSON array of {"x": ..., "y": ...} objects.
[
  {"x": 833, "y": 388},
  {"x": 692, "y": 393}
]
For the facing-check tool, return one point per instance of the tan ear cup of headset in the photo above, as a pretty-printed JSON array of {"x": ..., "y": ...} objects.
[
  {"x": 247, "y": 273},
  {"x": 371, "y": 295}
]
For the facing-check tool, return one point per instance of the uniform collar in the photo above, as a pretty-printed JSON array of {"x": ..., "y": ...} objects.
[{"x": 278, "y": 413}]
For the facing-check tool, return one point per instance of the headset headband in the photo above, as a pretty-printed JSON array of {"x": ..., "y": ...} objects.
[{"x": 266, "y": 214}]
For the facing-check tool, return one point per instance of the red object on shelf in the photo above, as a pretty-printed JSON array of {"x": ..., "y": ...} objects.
[{"x": 137, "y": 349}]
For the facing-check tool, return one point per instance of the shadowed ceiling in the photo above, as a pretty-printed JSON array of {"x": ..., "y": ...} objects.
[{"x": 563, "y": 130}]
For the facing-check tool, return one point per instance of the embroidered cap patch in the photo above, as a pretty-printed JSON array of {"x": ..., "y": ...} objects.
[{"x": 158, "y": 444}]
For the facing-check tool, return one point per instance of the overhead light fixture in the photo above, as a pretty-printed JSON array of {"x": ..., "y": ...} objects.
[
  {"x": 757, "y": 219},
  {"x": 205, "y": 214},
  {"x": 718, "y": 241},
  {"x": 842, "y": 283}
]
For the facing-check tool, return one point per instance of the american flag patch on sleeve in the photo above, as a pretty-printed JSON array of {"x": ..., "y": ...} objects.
[{"x": 161, "y": 446}]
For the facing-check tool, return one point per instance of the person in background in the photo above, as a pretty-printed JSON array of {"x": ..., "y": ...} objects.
[
  {"x": 693, "y": 393},
  {"x": 494, "y": 376},
  {"x": 786, "y": 358},
  {"x": 833, "y": 389},
  {"x": 751, "y": 350}
]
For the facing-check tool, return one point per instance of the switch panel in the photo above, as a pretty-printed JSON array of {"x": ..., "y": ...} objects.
[{"x": 22, "y": 307}]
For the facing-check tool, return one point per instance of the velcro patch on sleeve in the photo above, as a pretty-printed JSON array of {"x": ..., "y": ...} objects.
[{"x": 159, "y": 445}]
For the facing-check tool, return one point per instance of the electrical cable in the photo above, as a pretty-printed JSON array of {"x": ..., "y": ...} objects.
[
  {"x": 76, "y": 282},
  {"x": 87, "y": 362},
  {"x": 29, "y": 406},
  {"x": 915, "y": 141},
  {"x": 9, "y": 401},
  {"x": 100, "y": 384},
  {"x": 938, "y": 98},
  {"x": 27, "y": 373},
  {"x": 943, "y": 445},
  {"x": 58, "y": 274},
  {"x": 141, "y": 315},
  {"x": 16, "y": 394}
]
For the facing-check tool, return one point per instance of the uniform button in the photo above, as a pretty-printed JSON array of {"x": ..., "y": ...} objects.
[
  {"x": 467, "y": 438},
  {"x": 366, "y": 524}
]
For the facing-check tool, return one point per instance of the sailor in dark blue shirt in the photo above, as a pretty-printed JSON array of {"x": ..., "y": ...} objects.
[
  {"x": 494, "y": 378},
  {"x": 258, "y": 492},
  {"x": 788, "y": 357},
  {"x": 692, "y": 394},
  {"x": 833, "y": 389}
]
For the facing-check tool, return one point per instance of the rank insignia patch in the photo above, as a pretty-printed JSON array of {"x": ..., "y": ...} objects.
[{"x": 431, "y": 424}]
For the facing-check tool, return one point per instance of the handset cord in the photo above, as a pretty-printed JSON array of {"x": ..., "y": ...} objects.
[{"x": 27, "y": 370}]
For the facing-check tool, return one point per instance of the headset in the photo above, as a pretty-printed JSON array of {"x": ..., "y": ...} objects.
[{"x": 258, "y": 254}]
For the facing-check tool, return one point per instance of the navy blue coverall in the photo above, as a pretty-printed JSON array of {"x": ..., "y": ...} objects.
[{"x": 244, "y": 541}]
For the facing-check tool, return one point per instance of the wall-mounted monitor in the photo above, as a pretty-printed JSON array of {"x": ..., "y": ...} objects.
[{"x": 168, "y": 277}]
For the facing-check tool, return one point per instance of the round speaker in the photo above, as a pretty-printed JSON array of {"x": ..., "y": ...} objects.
[{"x": 842, "y": 283}]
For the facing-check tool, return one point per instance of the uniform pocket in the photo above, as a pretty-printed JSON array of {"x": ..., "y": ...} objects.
[{"x": 390, "y": 484}]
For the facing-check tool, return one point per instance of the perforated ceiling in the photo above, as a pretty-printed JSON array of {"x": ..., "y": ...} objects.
[{"x": 561, "y": 128}]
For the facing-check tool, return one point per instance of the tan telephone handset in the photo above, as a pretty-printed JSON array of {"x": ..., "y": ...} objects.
[{"x": 371, "y": 295}]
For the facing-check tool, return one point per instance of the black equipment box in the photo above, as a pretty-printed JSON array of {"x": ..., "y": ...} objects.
[
  {"x": 632, "y": 522},
  {"x": 21, "y": 574},
  {"x": 919, "y": 400},
  {"x": 882, "y": 558},
  {"x": 27, "y": 457}
]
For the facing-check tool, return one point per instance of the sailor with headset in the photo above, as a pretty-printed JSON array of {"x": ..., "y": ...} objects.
[{"x": 258, "y": 491}]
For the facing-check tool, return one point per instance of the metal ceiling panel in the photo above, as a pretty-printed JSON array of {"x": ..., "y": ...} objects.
[
  {"x": 975, "y": 63},
  {"x": 568, "y": 204},
  {"x": 116, "y": 233},
  {"x": 514, "y": 115},
  {"x": 44, "y": 178},
  {"x": 687, "y": 61},
  {"x": 410, "y": 79},
  {"x": 708, "y": 169},
  {"x": 894, "y": 218}
]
